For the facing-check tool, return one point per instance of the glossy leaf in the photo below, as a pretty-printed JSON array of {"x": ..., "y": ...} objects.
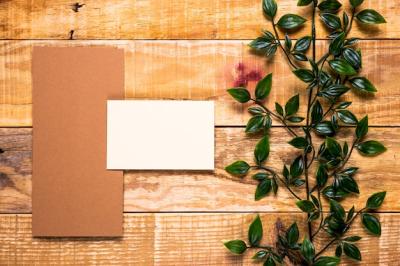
[
  {"x": 327, "y": 261},
  {"x": 302, "y": 44},
  {"x": 255, "y": 124},
  {"x": 329, "y": 5},
  {"x": 316, "y": 113},
  {"x": 295, "y": 119},
  {"x": 241, "y": 95},
  {"x": 236, "y": 246},
  {"x": 362, "y": 127},
  {"x": 299, "y": 142},
  {"x": 290, "y": 21},
  {"x": 370, "y": 16},
  {"x": 255, "y": 110},
  {"x": 352, "y": 238},
  {"x": 333, "y": 146},
  {"x": 347, "y": 117},
  {"x": 305, "y": 75},
  {"x": 335, "y": 90},
  {"x": 292, "y": 105},
  {"x": 336, "y": 209},
  {"x": 331, "y": 21},
  {"x": 292, "y": 235},
  {"x": 371, "y": 223},
  {"x": 356, "y": 3},
  {"x": 279, "y": 109},
  {"x": 305, "y": 206},
  {"x": 304, "y": 2},
  {"x": 297, "y": 167},
  {"x": 322, "y": 175},
  {"x": 352, "y": 57},
  {"x": 363, "y": 84},
  {"x": 342, "y": 67},
  {"x": 263, "y": 188},
  {"x": 324, "y": 128},
  {"x": 261, "y": 151},
  {"x": 335, "y": 47},
  {"x": 269, "y": 8},
  {"x": 307, "y": 250},
  {"x": 263, "y": 87},
  {"x": 351, "y": 251},
  {"x": 348, "y": 184},
  {"x": 238, "y": 168},
  {"x": 376, "y": 200},
  {"x": 255, "y": 232},
  {"x": 371, "y": 148}
]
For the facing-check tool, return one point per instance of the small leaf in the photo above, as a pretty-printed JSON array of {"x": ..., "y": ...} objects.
[
  {"x": 376, "y": 200},
  {"x": 288, "y": 42},
  {"x": 261, "y": 151},
  {"x": 356, "y": 3},
  {"x": 329, "y": 6},
  {"x": 241, "y": 95},
  {"x": 279, "y": 109},
  {"x": 316, "y": 113},
  {"x": 256, "y": 110},
  {"x": 343, "y": 105},
  {"x": 370, "y": 16},
  {"x": 334, "y": 90},
  {"x": 236, "y": 246},
  {"x": 333, "y": 146},
  {"x": 338, "y": 251},
  {"x": 255, "y": 124},
  {"x": 324, "y": 128},
  {"x": 260, "y": 176},
  {"x": 238, "y": 168},
  {"x": 341, "y": 67},
  {"x": 371, "y": 148},
  {"x": 347, "y": 117},
  {"x": 255, "y": 232},
  {"x": 305, "y": 206},
  {"x": 322, "y": 176},
  {"x": 305, "y": 75},
  {"x": 263, "y": 87},
  {"x": 349, "y": 184},
  {"x": 263, "y": 188},
  {"x": 260, "y": 255},
  {"x": 269, "y": 8},
  {"x": 269, "y": 262},
  {"x": 335, "y": 47},
  {"x": 297, "y": 167},
  {"x": 352, "y": 251},
  {"x": 336, "y": 209},
  {"x": 352, "y": 57},
  {"x": 352, "y": 238},
  {"x": 292, "y": 105},
  {"x": 371, "y": 223},
  {"x": 299, "y": 142},
  {"x": 295, "y": 119},
  {"x": 304, "y": 2},
  {"x": 300, "y": 56},
  {"x": 290, "y": 21},
  {"x": 327, "y": 261},
  {"x": 307, "y": 250},
  {"x": 292, "y": 235},
  {"x": 362, "y": 84},
  {"x": 331, "y": 21},
  {"x": 302, "y": 44},
  {"x": 362, "y": 127}
]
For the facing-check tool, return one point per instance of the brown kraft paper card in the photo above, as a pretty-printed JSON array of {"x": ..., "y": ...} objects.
[{"x": 73, "y": 193}]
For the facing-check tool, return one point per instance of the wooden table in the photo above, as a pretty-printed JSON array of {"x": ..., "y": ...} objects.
[{"x": 186, "y": 49}]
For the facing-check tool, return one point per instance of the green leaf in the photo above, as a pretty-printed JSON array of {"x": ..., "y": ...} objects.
[
  {"x": 305, "y": 206},
  {"x": 329, "y": 6},
  {"x": 263, "y": 87},
  {"x": 288, "y": 42},
  {"x": 348, "y": 184},
  {"x": 255, "y": 124},
  {"x": 290, "y": 21},
  {"x": 269, "y": 8},
  {"x": 333, "y": 146},
  {"x": 347, "y": 117},
  {"x": 356, "y": 3},
  {"x": 327, "y": 261},
  {"x": 255, "y": 110},
  {"x": 304, "y": 2},
  {"x": 324, "y": 128},
  {"x": 299, "y": 142},
  {"x": 238, "y": 168},
  {"x": 279, "y": 109},
  {"x": 336, "y": 209},
  {"x": 255, "y": 232},
  {"x": 362, "y": 127},
  {"x": 261, "y": 151},
  {"x": 292, "y": 235},
  {"x": 341, "y": 67},
  {"x": 295, "y": 119},
  {"x": 334, "y": 90},
  {"x": 370, "y": 16},
  {"x": 343, "y": 105},
  {"x": 335, "y": 47},
  {"x": 307, "y": 250},
  {"x": 316, "y": 113},
  {"x": 331, "y": 21},
  {"x": 297, "y": 167},
  {"x": 260, "y": 255},
  {"x": 260, "y": 176},
  {"x": 362, "y": 84},
  {"x": 236, "y": 246},
  {"x": 264, "y": 42},
  {"x": 371, "y": 223},
  {"x": 376, "y": 200},
  {"x": 292, "y": 105},
  {"x": 371, "y": 148},
  {"x": 352, "y": 238},
  {"x": 269, "y": 262},
  {"x": 338, "y": 251},
  {"x": 305, "y": 75},
  {"x": 241, "y": 95},
  {"x": 302, "y": 44},
  {"x": 263, "y": 188},
  {"x": 351, "y": 251},
  {"x": 300, "y": 56},
  {"x": 322, "y": 175},
  {"x": 352, "y": 57}
]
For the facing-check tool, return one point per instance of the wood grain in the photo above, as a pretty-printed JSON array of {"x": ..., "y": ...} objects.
[
  {"x": 175, "y": 239},
  {"x": 178, "y": 19},
  {"x": 154, "y": 191},
  {"x": 203, "y": 70}
]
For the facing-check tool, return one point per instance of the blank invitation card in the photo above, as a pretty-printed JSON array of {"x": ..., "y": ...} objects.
[
  {"x": 73, "y": 193},
  {"x": 157, "y": 134}
]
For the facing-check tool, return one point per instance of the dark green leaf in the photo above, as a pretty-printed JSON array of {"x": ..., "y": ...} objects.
[
  {"x": 263, "y": 42},
  {"x": 298, "y": 182},
  {"x": 269, "y": 8},
  {"x": 285, "y": 172},
  {"x": 262, "y": 150},
  {"x": 316, "y": 113},
  {"x": 333, "y": 193},
  {"x": 376, "y": 200},
  {"x": 349, "y": 184},
  {"x": 352, "y": 238},
  {"x": 295, "y": 119},
  {"x": 347, "y": 117},
  {"x": 345, "y": 21},
  {"x": 260, "y": 176},
  {"x": 241, "y": 95},
  {"x": 255, "y": 232},
  {"x": 362, "y": 84},
  {"x": 255, "y": 124},
  {"x": 238, "y": 168},
  {"x": 236, "y": 246},
  {"x": 305, "y": 75},
  {"x": 297, "y": 167},
  {"x": 370, "y": 16},
  {"x": 322, "y": 175},
  {"x": 303, "y": 2},
  {"x": 371, "y": 223},
  {"x": 288, "y": 42},
  {"x": 352, "y": 57},
  {"x": 351, "y": 41},
  {"x": 345, "y": 149},
  {"x": 256, "y": 110},
  {"x": 307, "y": 250},
  {"x": 338, "y": 251},
  {"x": 305, "y": 206},
  {"x": 260, "y": 255},
  {"x": 349, "y": 171},
  {"x": 333, "y": 146},
  {"x": 327, "y": 261},
  {"x": 329, "y": 6},
  {"x": 290, "y": 21},
  {"x": 302, "y": 44},
  {"x": 350, "y": 214},
  {"x": 362, "y": 127},
  {"x": 267, "y": 122},
  {"x": 299, "y": 142},
  {"x": 334, "y": 90},
  {"x": 331, "y": 21},
  {"x": 337, "y": 209},
  {"x": 341, "y": 67},
  {"x": 371, "y": 148},
  {"x": 269, "y": 262},
  {"x": 343, "y": 105},
  {"x": 279, "y": 109},
  {"x": 263, "y": 87},
  {"x": 300, "y": 56},
  {"x": 324, "y": 128},
  {"x": 356, "y": 3},
  {"x": 263, "y": 188},
  {"x": 292, "y": 105},
  {"x": 351, "y": 251},
  {"x": 335, "y": 47},
  {"x": 292, "y": 235}
]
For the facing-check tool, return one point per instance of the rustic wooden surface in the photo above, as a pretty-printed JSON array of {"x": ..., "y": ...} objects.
[{"x": 182, "y": 217}]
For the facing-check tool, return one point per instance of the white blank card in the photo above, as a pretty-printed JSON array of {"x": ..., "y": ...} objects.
[{"x": 158, "y": 134}]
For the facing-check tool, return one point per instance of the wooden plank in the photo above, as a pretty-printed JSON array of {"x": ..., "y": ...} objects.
[
  {"x": 208, "y": 191},
  {"x": 178, "y": 19},
  {"x": 175, "y": 239},
  {"x": 203, "y": 70}
]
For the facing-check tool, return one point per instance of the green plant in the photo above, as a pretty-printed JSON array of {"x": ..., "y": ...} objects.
[{"x": 327, "y": 79}]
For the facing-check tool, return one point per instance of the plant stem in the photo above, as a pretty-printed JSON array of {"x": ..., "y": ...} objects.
[
  {"x": 326, "y": 246},
  {"x": 281, "y": 46}
]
